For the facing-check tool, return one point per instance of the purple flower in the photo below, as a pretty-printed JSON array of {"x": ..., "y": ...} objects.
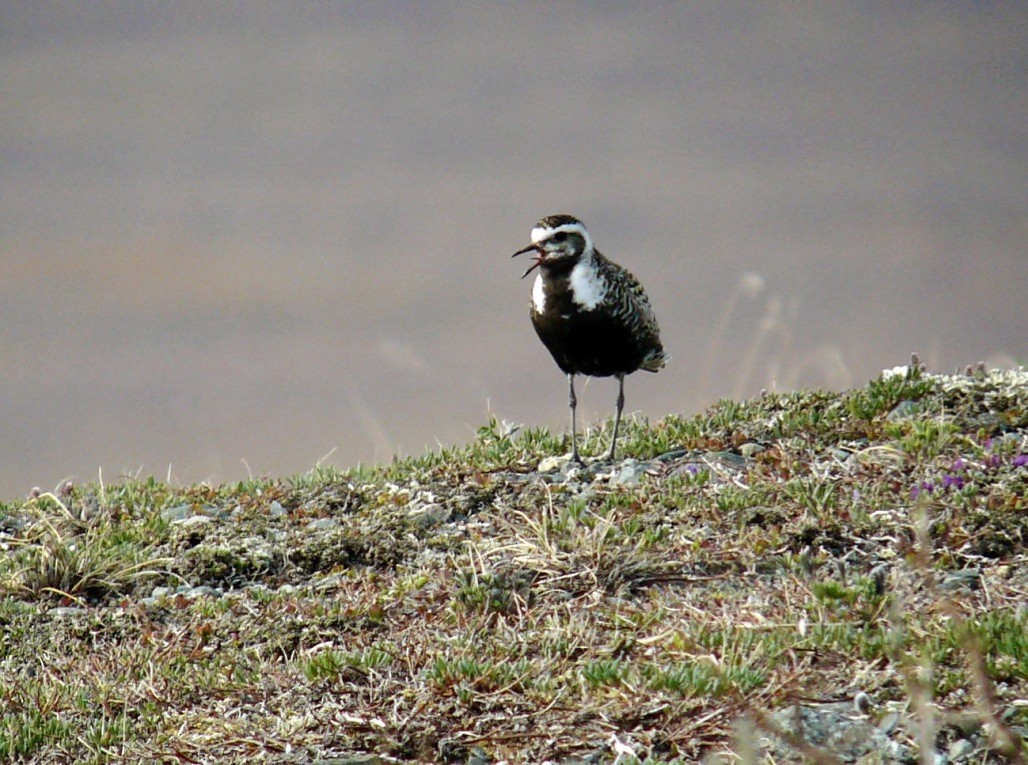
[
  {"x": 924, "y": 486},
  {"x": 1020, "y": 460},
  {"x": 951, "y": 481}
]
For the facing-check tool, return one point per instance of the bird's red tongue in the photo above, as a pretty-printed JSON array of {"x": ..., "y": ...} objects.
[{"x": 538, "y": 255}]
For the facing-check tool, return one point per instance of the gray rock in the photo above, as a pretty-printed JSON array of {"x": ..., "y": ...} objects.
[
  {"x": 968, "y": 579},
  {"x": 177, "y": 513},
  {"x": 897, "y": 752},
  {"x": 628, "y": 474},
  {"x": 862, "y": 703},
  {"x": 323, "y": 524},
  {"x": 328, "y": 582},
  {"x": 833, "y": 728},
  {"x": 842, "y": 454},
  {"x": 550, "y": 464},
  {"x": 751, "y": 449},
  {"x": 428, "y": 514},
  {"x": 181, "y": 513},
  {"x": 67, "y": 611},
  {"x": 202, "y": 591},
  {"x": 192, "y": 521},
  {"x": 671, "y": 456},
  {"x": 728, "y": 460},
  {"x": 903, "y": 410},
  {"x": 275, "y": 510},
  {"x": 960, "y": 749},
  {"x": 889, "y": 723}
]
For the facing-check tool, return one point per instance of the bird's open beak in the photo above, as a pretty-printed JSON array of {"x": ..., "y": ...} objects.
[{"x": 538, "y": 257}]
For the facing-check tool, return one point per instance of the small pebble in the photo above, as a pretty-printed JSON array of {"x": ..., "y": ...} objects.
[
  {"x": 192, "y": 520},
  {"x": 323, "y": 524},
  {"x": 968, "y": 579},
  {"x": 888, "y": 723},
  {"x": 628, "y": 474},
  {"x": 429, "y": 514},
  {"x": 959, "y": 749},
  {"x": 862, "y": 703},
  {"x": 66, "y": 611},
  {"x": 903, "y": 410},
  {"x": 177, "y": 513},
  {"x": 549, "y": 464},
  {"x": 202, "y": 591}
]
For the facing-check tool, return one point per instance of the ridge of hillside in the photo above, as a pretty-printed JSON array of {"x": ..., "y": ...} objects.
[{"x": 805, "y": 576}]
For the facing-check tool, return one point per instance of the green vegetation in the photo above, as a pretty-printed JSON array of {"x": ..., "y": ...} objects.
[{"x": 797, "y": 546}]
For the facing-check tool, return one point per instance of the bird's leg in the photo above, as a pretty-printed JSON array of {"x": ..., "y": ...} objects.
[
  {"x": 573, "y": 402},
  {"x": 617, "y": 417}
]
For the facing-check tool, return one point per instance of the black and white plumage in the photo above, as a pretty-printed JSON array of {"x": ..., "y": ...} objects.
[{"x": 592, "y": 314}]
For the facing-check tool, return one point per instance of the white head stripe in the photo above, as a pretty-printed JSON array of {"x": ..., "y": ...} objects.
[{"x": 539, "y": 234}]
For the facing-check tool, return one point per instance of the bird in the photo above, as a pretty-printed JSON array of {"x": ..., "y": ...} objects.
[{"x": 591, "y": 314}]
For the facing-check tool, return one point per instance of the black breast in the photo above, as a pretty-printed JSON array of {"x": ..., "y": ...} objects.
[{"x": 598, "y": 342}]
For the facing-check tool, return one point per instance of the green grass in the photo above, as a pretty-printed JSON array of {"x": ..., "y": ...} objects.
[
  {"x": 431, "y": 607},
  {"x": 86, "y": 556}
]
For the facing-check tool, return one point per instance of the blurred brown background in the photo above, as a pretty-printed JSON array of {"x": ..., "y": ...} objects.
[{"x": 250, "y": 232}]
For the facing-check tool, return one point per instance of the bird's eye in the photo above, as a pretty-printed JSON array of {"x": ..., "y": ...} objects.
[{"x": 559, "y": 237}]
